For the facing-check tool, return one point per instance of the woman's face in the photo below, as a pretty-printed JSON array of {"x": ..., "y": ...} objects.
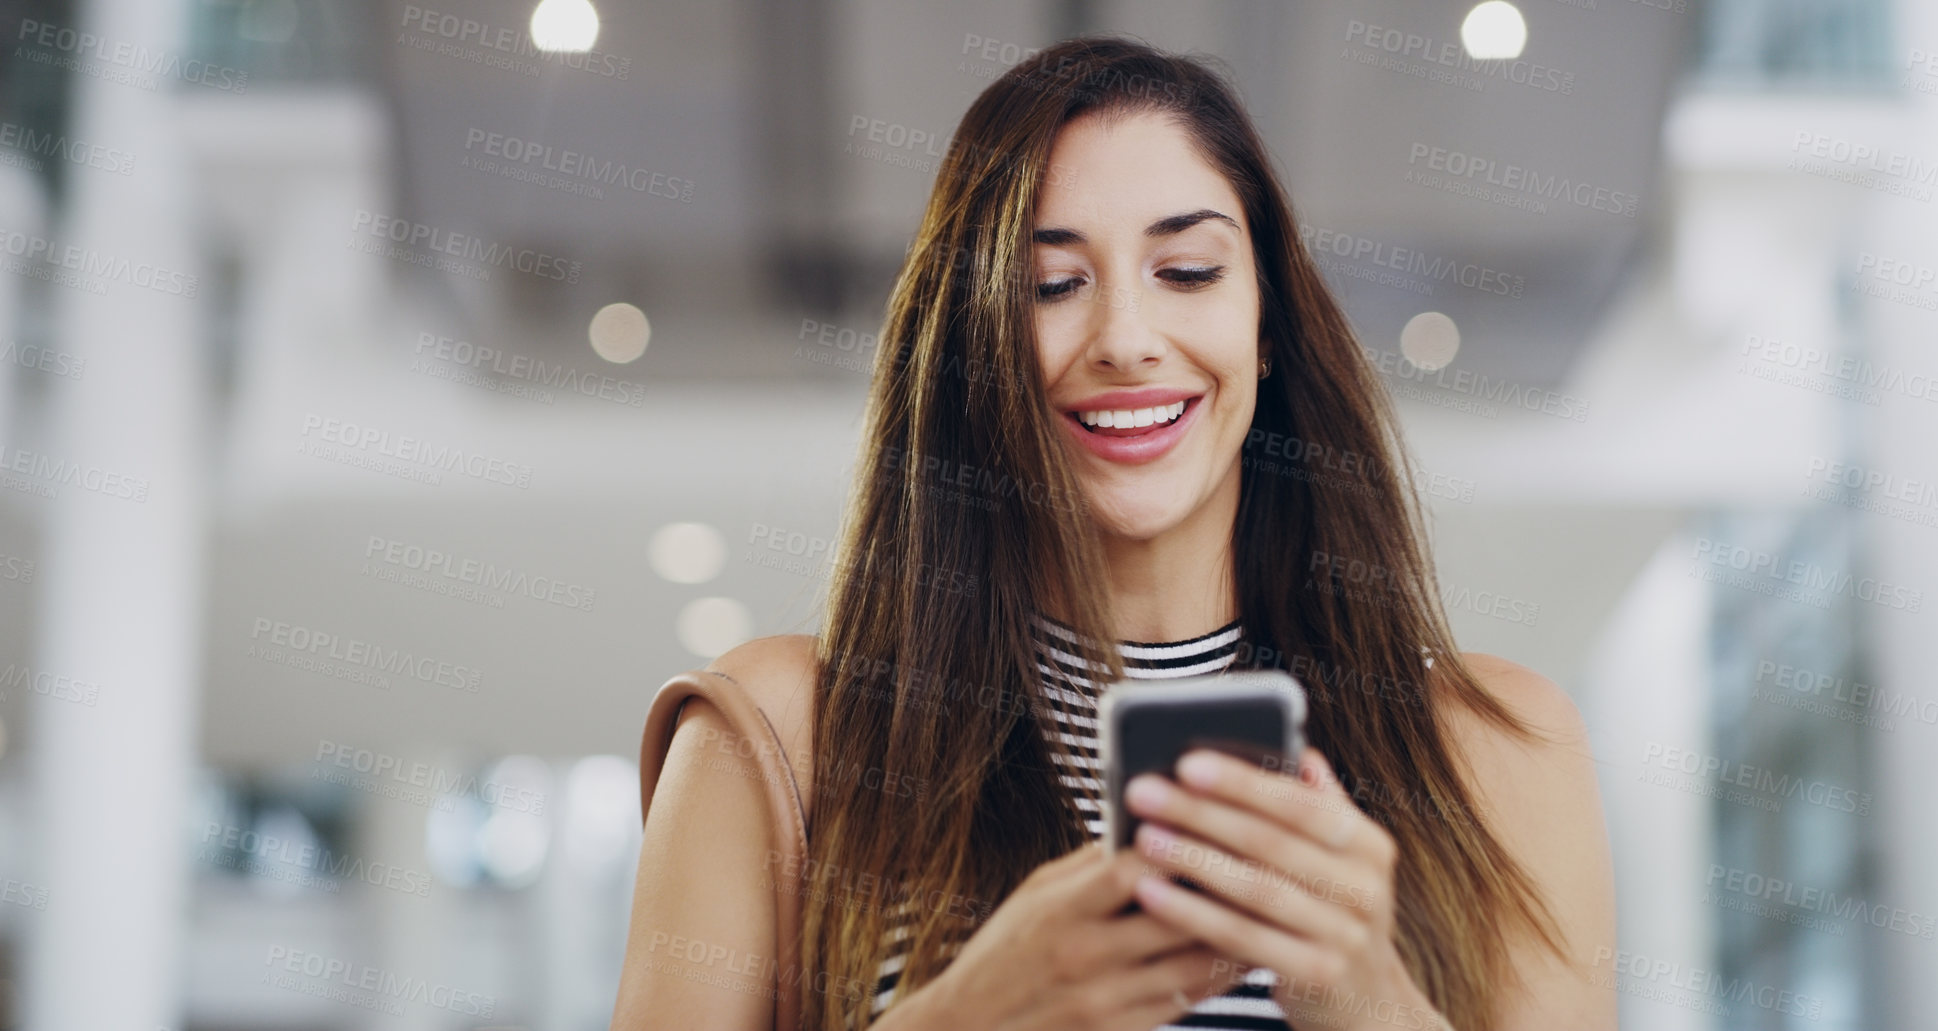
[{"x": 1147, "y": 314}]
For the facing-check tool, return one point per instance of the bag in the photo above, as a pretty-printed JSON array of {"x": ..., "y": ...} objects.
[{"x": 783, "y": 804}]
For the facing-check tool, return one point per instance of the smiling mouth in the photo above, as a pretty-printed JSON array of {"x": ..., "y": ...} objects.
[{"x": 1134, "y": 422}]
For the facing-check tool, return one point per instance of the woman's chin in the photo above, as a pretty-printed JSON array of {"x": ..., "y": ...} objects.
[{"x": 1136, "y": 516}]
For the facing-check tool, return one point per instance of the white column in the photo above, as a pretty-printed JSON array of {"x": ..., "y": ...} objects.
[
  {"x": 21, "y": 206},
  {"x": 1647, "y": 684},
  {"x": 1904, "y": 444},
  {"x": 122, "y": 581}
]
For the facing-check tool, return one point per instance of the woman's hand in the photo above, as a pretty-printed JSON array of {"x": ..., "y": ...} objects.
[
  {"x": 1061, "y": 953},
  {"x": 1300, "y": 882}
]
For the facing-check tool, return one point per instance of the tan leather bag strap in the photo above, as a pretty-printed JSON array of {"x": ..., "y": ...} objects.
[{"x": 783, "y": 803}]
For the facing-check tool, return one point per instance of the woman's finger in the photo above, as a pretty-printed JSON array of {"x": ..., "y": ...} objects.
[
  {"x": 1149, "y": 991},
  {"x": 1323, "y": 813},
  {"x": 1254, "y": 838},
  {"x": 1268, "y": 894},
  {"x": 1237, "y": 935},
  {"x": 1138, "y": 937}
]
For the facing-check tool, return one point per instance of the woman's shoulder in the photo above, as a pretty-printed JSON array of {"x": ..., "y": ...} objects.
[
  {"x": 778, "y": 672},
  {"x": 708, "y": 849},
  {"x": 1514, "y": 773},
  {"x": 1534, "y": 698},
  {"x": 1541, "y": 798}
]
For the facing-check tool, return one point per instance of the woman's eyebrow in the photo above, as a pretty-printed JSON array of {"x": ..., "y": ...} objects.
[
  {"x": 1174, "y": 224},
  {"x": 1169, "y": 225}
]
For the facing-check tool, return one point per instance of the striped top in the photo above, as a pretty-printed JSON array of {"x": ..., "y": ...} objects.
[{"x": 1248, "y": 1006}]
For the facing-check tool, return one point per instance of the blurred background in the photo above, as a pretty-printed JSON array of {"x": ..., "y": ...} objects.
[{"x": 393, "y": 395}]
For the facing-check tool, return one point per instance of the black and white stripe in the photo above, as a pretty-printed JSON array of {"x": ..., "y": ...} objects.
[{"x": 1072, "y": 693}]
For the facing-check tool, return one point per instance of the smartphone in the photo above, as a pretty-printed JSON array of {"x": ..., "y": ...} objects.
[{"x": 1145, "y": 725}]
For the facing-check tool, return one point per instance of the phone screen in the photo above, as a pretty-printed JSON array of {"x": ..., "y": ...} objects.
[{"x": 1148, "y": 728}]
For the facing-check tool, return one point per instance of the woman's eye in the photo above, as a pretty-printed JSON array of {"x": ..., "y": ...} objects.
[
  {"x": 1054, "y": 290},
  {"x": 1194, "y": 276},
  {"x": 1189, "y": 278}
]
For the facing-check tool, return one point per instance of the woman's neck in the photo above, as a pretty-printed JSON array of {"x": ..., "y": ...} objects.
[{"x": 1178, "y": 584}]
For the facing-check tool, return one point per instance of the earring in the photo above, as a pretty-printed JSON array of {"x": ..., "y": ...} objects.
[{"x": 1264, "y": 367}]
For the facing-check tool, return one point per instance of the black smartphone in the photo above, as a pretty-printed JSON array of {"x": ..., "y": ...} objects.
[{"x": 1145, "y": 725}]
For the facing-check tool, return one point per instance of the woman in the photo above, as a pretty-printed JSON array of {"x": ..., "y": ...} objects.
[{"x": 1105, "y": 324}]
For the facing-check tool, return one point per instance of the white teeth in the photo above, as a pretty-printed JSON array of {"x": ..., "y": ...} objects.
[{"x": 1132, "y": 417}]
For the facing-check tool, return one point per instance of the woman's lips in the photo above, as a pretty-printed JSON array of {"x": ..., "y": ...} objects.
[{"x": 1133, "y": 445}]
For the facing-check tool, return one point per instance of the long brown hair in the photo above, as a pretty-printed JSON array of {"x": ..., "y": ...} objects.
[{"x": 933, "y": 782}]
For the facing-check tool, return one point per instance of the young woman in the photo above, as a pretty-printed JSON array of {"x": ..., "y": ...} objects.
[{"x": 1124, "y": 408}]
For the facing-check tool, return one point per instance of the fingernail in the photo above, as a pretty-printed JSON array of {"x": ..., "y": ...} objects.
[
  {"x": 1150, "y": 839},
  {"x": 1146, "y": 793},
  {"x": 1198, "y": 769},
  {"x": 1153, "y": 890}
]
